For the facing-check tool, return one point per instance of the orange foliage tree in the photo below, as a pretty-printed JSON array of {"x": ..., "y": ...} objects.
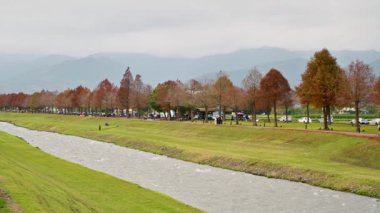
[
  {"x": 125, "y": 91},
  {"x": 139, "y": 95},
  {"x": 221, "y": 88},
  {"x": 105, "y": 95},
  {"x": 274, "y": 87},
  {"x": 321, "y": 82},
  {"x": 375, "y": 96},
  {"x": 361, "y": 78},
  {"x": 235, "y": 97},
  {"x": 203, "y": 97},
  {"x": 168, "y": 96}
]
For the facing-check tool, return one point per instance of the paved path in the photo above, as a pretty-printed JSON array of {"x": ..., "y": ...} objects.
[{"x": 207, "y": 188}]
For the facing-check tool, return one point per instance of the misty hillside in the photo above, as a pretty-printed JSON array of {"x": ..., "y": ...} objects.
[{"x": 30, "y": 73}]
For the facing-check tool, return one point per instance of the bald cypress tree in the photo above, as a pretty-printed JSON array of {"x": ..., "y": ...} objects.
[
  {"x": 361, "y": 78},
  {"x": 251, "y": 85},
  {"x": 322, "y": 82},
  {"x": 221, "y": 88},
  {"x": 124, "y": 92},
  {"x": 274, "y": 87}
]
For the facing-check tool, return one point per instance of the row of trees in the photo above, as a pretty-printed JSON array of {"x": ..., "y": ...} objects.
[
  {"x": 324, "y": 85},
  {"x": 132, "y": 94},
  {"x": 259, "y": 94}
]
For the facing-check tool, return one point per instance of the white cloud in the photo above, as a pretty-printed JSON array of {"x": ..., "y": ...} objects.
[{"x": 186, "y": 28}]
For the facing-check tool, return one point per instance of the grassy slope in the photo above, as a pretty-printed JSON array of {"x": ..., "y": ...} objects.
[
  {"x": 338, "y": 125},
  {"x": 39, "y": 182},
  {"x": 3, "y": 206},
  {"x": 328, "y": 160}
]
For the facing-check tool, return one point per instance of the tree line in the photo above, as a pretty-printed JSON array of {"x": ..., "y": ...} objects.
[
  {"x": 131, "y": 94},
  {"x": 324, "y": 85}
]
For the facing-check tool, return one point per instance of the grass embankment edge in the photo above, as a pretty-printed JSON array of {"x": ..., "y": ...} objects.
[
  {"x": 34, "y": 181},
  {"x": 262, "y": 168}
]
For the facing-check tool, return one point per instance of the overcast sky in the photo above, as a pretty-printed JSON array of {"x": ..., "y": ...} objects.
[{"x": 186, "y": 27}]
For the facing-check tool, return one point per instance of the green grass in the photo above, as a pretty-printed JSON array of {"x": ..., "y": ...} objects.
[
  {"x": 3, "y": 206},
  {"x": 39, "y": 182},
  {"x": 328, "y": 160},
  {"x": 344, "y": 126}
]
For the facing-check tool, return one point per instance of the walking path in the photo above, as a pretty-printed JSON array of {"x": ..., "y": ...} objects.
[{"x": 204, "y": 187}]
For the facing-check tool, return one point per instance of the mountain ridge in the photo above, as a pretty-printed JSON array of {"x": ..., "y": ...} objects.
[{"x": 57, "y": 72}]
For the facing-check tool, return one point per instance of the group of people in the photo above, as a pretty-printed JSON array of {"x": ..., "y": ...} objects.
[{"x": 218, "y": 120}]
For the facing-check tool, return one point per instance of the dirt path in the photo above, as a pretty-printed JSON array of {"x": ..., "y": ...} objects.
[{"x": 210, "y": 189}]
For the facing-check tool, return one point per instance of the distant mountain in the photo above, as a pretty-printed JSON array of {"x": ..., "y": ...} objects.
[
  {"x": 345, "y": 57},
  {"x": 68, "y": 74},
  {"x": 153, "y": 69},
  {"x": 291, "y": 63},
  {"x": 376, "y": 66},
  {"x": 30, "y": 73},
  {"x": 14, "y": 65},
  {"x": 291, "y": 69},
  {"x": 246, "y": 58}
]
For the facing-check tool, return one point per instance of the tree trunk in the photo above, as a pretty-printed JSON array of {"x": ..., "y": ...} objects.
[
  {"x": 328, "y": 115},
  {"x": 206, "y": 114},
  {"x": 275, "y": 113},
  {"x": 286, "y": 114},
  {"x": 223, "y": 112},
  {"x": 357, "y": 124},
  {"x": 177, "y": 113},
  {"x": 236, "y": 118},
  {"x": 325, "y": 125},
  {"x": 254, "y": 114},
  {"x": 220, "y": 106},
  {"x": 307, "y": 113}
]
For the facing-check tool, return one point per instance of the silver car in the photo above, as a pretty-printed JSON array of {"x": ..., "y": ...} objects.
[
  {"x": 375, "y": 121},
  {"x": 361, "y": 121}
]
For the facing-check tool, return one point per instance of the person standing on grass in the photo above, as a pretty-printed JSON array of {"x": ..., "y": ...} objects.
[{"x": 378, "y": 129}]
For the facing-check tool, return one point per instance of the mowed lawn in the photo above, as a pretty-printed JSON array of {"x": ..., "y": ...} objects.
[
  {"x": 336, "y": 126},
  {"x": 329, "y": 160},
  {"x": 39, "y": 182}
]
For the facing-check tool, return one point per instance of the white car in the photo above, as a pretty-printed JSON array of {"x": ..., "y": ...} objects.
[
  {"x": 361, "y": 121},
  {"x": 375, "y": 121},
  {"x": 283, "y": 118},
  {"x": 304, "y": 120},
  {"x": 321, "y": 119},
  {"x": 250, "y": 118}
]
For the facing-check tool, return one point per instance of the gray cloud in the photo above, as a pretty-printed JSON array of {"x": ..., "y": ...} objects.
[{"x": 186, "y": 28}]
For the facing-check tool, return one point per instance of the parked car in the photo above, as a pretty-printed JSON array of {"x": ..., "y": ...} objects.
[
  {"x": 283, "y": 118},
  {"x": 361, "y": 121},
  {"x": 304, "y": 120},
  {"x": 375, "y": 121},
  {"x": 331, "y": 119}
]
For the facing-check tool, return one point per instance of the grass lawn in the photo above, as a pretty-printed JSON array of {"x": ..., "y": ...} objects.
[
  {"x": 336, "y": 126},
  {"x": 3, "y": 206},
  {"x": 39, "y": 182},
  {"x": 329, "y": 160}
]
